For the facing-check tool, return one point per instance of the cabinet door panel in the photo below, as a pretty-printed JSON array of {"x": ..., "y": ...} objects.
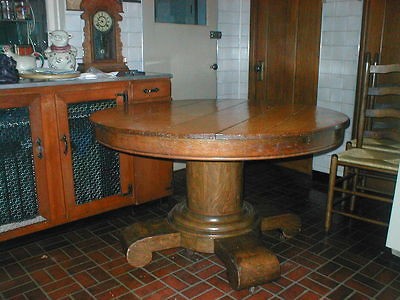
[
  {"x": 18, "y": 196},
  {"x": 95, "y": 167},
  {"x": 23, "y": 196},
  {"x": 96, "y": 178}
]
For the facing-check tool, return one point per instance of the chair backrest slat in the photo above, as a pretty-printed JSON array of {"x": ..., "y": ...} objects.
[
  {"x": 379, "y": 119},
  {"x": 383, "y": 134},
  {"x": 384, "y": 69},
  {"x": 384, "y": 90},
  {"x": 383, "y": 113}
]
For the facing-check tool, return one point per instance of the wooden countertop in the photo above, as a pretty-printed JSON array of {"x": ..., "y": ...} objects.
[{"x": 29, "y": 83}]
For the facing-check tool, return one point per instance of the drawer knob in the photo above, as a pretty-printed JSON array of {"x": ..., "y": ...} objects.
[{"x": 149, "y": 91}]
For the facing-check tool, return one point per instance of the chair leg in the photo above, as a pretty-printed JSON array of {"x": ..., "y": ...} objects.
[
  {"x": 346, "y": 171},
  {"x": 331, "y": 192},
  {"x": 345, "y": 185},
  {"x": 354, "y": 188}
]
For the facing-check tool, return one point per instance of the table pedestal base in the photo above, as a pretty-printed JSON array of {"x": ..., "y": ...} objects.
[{"x": 214, "y": 220}]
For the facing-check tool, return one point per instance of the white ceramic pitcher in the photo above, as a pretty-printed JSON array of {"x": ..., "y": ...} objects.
[{"x": 25, "y": 62}]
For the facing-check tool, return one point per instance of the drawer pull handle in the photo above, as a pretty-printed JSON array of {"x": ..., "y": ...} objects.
[
  {"x": 64, "y": 140},
  {"x": 149, "y": 91},
  {"x": 39, "y": 148}
]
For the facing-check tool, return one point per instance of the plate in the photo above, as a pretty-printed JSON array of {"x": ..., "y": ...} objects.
[{"x": 49, "y": 74}]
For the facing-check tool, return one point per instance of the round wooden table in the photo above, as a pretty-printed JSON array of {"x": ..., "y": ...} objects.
[{"x": 215, "y": 138}]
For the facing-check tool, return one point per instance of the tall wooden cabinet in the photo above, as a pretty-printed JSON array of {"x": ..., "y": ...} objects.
[{"x": 52, "y": 169}]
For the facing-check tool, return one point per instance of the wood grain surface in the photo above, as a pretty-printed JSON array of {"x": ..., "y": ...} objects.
[
  {"x": 222, "y": 130},
  {"x": 73, "y": 4}
]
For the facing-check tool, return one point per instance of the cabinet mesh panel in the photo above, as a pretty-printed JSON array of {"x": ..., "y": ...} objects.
[
  {"x": 95, "y": 167},
  {"x": 18, "y": 195}
]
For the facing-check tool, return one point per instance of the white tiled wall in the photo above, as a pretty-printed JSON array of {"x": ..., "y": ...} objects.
[
  {"x": 131, "y": 33},
  {"x": 233, "y": 48},
  {"x": 341, "y": 27}
]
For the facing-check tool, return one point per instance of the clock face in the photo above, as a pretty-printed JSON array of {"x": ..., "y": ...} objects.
[
  {"x": 103, "y": 36},
  {"x": 102, "y": 21}
]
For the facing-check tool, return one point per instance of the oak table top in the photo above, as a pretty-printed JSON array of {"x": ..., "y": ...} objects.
[
  {"x": 222, "y": 130},
  {"x": 215, "y": 138}
]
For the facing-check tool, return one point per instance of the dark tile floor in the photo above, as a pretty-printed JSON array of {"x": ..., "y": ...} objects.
[{"x": 83, "y": 260}]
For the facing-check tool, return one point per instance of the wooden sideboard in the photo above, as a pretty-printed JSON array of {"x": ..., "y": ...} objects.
[{"x": 52, "y": 169}]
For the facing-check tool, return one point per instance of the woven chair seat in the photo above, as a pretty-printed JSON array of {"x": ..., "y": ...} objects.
[
  {"x": 385, "y": 145},
  {"x": 371, "y": 158}
]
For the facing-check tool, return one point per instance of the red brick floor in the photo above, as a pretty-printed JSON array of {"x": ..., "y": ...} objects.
[{"x": 84, "y": 260}]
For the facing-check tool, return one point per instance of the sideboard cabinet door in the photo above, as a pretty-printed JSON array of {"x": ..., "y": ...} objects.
[
  {"x": 96, "y": 178},
  {"x": 153, "y": 177},
  {"x": 24, "y": 201}
]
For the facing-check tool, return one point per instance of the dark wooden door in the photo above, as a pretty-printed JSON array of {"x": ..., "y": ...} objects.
[
  {"x": 285, "y": 36},
  {"x": 284, "y": 54}
]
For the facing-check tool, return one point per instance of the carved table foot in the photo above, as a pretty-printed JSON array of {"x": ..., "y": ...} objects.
[
  {"x": 143, "y": 238},
  {"x": 247, "y": 261},
  {"x": 289, "y": 224}
]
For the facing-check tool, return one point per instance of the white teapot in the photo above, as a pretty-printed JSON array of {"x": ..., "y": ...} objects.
[
  {"x": 25, "y": 62},
  {"x": 60, "y": 54}
]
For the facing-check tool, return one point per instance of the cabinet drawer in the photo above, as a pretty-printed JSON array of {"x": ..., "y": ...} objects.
[{"x": 151, "y": 89}]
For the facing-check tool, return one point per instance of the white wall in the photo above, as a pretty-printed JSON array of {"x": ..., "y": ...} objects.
[
  {"x": 340, "y": 37},
  {"x": 186, "y": 51},
  {"x": 233, "y": 48}
]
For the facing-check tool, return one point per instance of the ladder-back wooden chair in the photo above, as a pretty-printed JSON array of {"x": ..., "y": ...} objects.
[
  {"x": 387, "y": 144},
  {"x": 373, "y": 156}
]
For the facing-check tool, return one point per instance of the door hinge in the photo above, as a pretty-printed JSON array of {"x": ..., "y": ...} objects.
[
  {"x": 129, "y": 192},
  {"x": 39, "y": 148}
]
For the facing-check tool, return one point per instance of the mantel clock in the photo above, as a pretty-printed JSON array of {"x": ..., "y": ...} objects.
[{"x": 102, "y": 44}]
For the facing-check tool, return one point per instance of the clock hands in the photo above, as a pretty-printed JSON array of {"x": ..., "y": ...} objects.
[{"x": 102, "y": 21}]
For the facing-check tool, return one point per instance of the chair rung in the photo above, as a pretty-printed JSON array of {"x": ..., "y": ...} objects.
[
  {"x": 365, "y": 195},
  {"x": 360, "y": 187},
  {"x": 360, "y": 218},
  {"x": 380, "y": 176},
  {"x": 344, "y": 178}
]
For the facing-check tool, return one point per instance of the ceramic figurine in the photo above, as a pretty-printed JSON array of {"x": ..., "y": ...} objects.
[{"x": 60, "y": 54}]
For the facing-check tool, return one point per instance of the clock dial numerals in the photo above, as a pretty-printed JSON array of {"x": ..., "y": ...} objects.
[{"x": 102, "y": 21}]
